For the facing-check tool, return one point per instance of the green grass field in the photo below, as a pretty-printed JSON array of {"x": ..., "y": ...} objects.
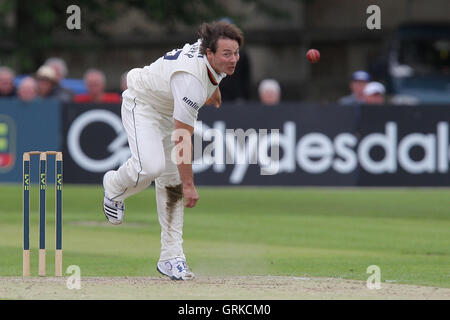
[{"x": 305, "y": 232}]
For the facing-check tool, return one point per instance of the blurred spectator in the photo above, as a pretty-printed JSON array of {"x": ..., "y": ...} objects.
[
  {"x": 269, "y": 92},
  {"x": 95, "y": 83},
  {"x": 237, "y": 86},
  {"x": 28, "y": 89},
  {"x": 357, "y": 84},
  {"x": 7, "y": 88},
  {"x": 60, "y": 67},
  {"x": 374, "y": 93},
  {"x": 46, "y": 82},
  {"x": 123, "y": 82}
]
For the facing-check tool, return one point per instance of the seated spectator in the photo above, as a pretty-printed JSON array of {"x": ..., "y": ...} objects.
[
  {"x": 95, "y": 84},
  {"x": 358, "y": 82},
  {"x": 374, "y": 93},
  {"x": 60, "y": 67},
  {"x": 46, "y": 82},
  {"x": 123, "y": 82},
  {"x": 269, "y": 92},
  {"x": 28, "y": 89},
  {"x": 7, "y": 88}
]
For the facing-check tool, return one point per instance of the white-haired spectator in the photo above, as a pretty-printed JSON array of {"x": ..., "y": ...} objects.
[
  {"x": 95, "y": 82},
  {"x": 269, "y": 92},
  {"x": 46, "y": 82},
  {"x": 28, "y": 89},
  {"x": 60, "y": 67},
  {"x": 374, "y": 93},
  {"x": 7, "y": 88}
]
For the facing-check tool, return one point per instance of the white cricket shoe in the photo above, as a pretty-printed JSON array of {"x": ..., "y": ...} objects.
[
  {"x": 175, "y": 269},
  {"x": 114, "y": 210}
]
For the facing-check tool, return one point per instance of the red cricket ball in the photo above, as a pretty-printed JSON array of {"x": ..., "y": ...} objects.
[{"x": 313, "y": 55}]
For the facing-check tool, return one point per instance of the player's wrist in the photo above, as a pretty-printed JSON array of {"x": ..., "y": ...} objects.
[{"x": 188, "y": 184}]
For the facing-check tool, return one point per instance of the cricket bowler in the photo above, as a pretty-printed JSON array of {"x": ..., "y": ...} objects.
[{"x": 160, "y": 98}]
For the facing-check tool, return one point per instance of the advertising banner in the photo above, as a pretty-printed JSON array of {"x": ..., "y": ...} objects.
[
  {"x": 27, "y": 127},
  {"x": 94, "y": 143},
  {"x": 290, "y": 144},
  {"x": 404, "y": 146}
]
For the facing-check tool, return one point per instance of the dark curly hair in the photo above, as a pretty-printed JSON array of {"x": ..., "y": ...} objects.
[{"x": 211, "y": 32}]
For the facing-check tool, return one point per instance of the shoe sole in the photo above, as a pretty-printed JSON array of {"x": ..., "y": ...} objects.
[{"x": 171, "y": 277}]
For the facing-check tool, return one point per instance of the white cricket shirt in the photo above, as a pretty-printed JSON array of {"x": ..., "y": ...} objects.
[{"x": 177, "y": 84}]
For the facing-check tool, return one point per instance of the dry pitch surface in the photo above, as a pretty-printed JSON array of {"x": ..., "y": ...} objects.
[{"x": 212, "y": 288}]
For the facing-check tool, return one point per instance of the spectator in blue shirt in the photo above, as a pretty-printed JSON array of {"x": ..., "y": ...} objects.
[{"x": 358, "y": 82}]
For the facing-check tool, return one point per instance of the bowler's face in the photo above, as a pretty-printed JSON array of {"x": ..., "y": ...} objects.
[{"x": 226, "y": 56}]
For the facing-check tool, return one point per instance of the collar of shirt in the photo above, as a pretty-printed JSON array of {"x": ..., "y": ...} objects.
[{"x": 217, "y": 77}]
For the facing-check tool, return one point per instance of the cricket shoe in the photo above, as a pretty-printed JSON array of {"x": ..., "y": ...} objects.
[
  {"x": 114, "y": 210},
  {"x": 175, "y": 269}
]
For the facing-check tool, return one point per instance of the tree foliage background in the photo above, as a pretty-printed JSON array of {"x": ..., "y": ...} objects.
[{"x": 29, "y": 27}]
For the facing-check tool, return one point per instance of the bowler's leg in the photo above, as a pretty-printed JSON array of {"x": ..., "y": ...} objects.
[
  {"x": 145, "y": 164},
  {"x": 170, "y": 205}
]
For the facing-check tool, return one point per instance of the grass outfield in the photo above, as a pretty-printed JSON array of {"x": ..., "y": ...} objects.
[{"x": 249, "y": 231}]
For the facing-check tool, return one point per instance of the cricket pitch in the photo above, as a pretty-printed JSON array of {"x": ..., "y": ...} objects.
[{"x": 212, "y": 288}]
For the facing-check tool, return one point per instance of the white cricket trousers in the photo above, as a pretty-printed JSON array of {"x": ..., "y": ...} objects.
[{"x": 149, "y": 137}]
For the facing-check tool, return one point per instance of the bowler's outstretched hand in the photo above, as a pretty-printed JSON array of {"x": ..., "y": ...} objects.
[{"x": 190, "y": 195}]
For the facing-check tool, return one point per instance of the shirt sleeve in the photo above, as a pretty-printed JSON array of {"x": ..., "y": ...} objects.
[{"x": 188, "y": 96}]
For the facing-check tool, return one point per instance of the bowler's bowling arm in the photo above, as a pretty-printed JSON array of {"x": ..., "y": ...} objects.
[{"x": 183, "y": 147}]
